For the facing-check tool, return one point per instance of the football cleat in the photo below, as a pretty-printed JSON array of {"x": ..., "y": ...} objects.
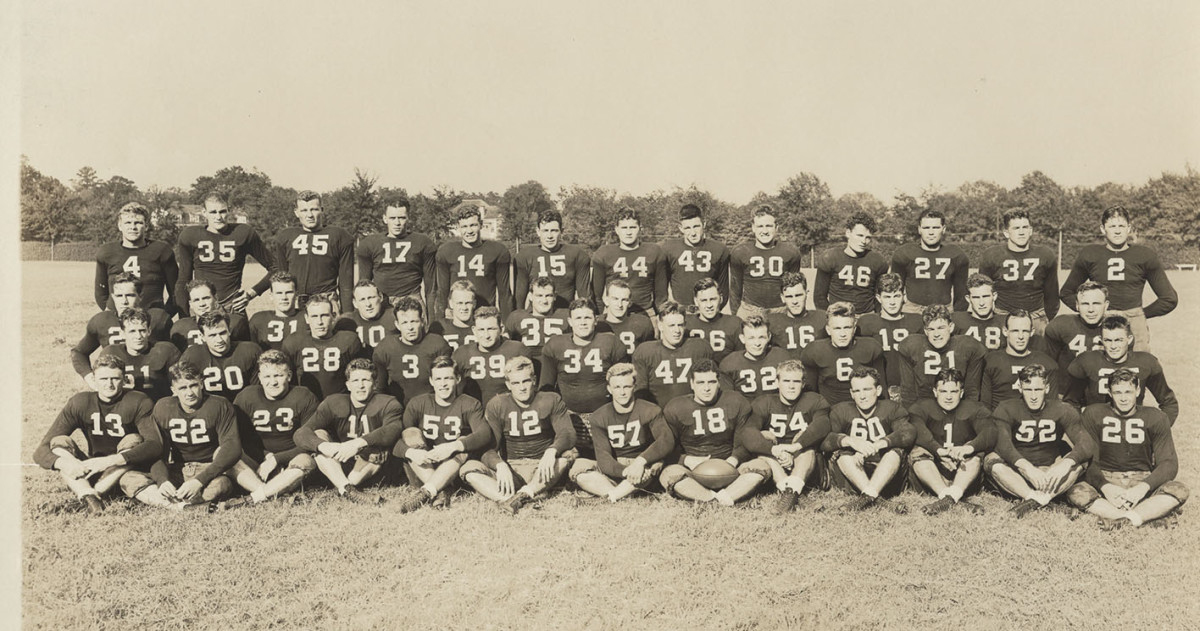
[
  {"x": 1167, "y": 522},
  {"x": 357, "y": 496},
  {"x": 786, "y": 502},
  {"x": 442, "y": 501},
  {"x": 513, "y": 505},
  {"x": 1023, "y": 508},
  {"x": 899, "y": 509},
  {"x": 859, "y": 503},
  {"x": 237, "y": 502},
  {"x": 416, "y": 501},
  {"x": 938, "y": 506},
  {"x": 972, "y": 507},
  {"x": 1113, "y": 524},
  {"x": 93, "y": 504}
]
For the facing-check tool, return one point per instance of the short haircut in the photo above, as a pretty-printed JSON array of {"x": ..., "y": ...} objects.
[
  {"x": 863, "y": 219},
  {"x": 618, "y": 282},
  {"x": 889, "y": 283},
  {"x": 399, "y": 204},
  {"x": 485, "y": 312},
  {"x": 1017, "y": 313},
  {"x": 933, "y": 313},
  {"x": 408, "y": 303},
  {"x": 108, "y": 360},
  {"x": 136, "y": 315},
  {"x": 468, "y": 211},
  {"x": 931, "y": 213},
  {"x": 183, "y": 370},
  {"x": 949, "y": 374},
  {"x": 274, "y": 357},
  {"x": 1031, "y": 372},
  {"x": 366, "y": 282},
  {"x": 517, "y": 365},
  {"x": 212, "y": 320},
  {"x": 754, "y": 321},
  {"x": 704, "y": 365},
  {"x": 1012, "y": 214},
  {"x": 461, "y": 285},
  {"x": 1115, "y": 211},
  {"x": 980, "y": 280},
  {"x": 135, "y": 208},
  {"x": 125, "y": 278},
  {"x": 670, "y": 307},
  {"x": 442, "y": 361},
  {"x": 1114, "y": 322},
  {"x": 541, "y": 281},
  {"x": 762, "y": 211},
  {"x": 626, "y": 213},
  {"x": 704, "y": 283},
  {"x": 581, "y": 303},
  {"x": 361, "y": 363},
  {"x": 197, "y": 283},
  {"x": 214, "y": 196},
  {"x": 620, "y": 370},
  {"x": 1091, "y": 285},
  {"x": 307, "y": 196},
  {"x": 790, "y": 365},
  {"x": 840, "y": 309},
  {"x": 865, "y": 371},
  {"x": 791, "y": 279},
  {"x": 1124, "y": 375},
  {"x": 320, "y": 299},
  {"x": 284, "y": 278},
  {"x": 690, "y": 211},
  {"x": 550, "y": 216}
]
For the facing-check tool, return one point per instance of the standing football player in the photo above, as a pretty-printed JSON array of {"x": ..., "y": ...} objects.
[
  {"x": 797, "y": 326},
  {"x": 321, "y": 354},
  {"x": 484, "y": 263},
  {"x": 217, "y": 253},
  {"x": 695, "y": 256},
  {"x": 856, "y": 268},
  {"x": 399, "y": 261},
  {"x": 642, "y": 265},
  {"x": 1089, "y": 373},
  {"x": 567, "y": 265},
  {"x": 721, "y": 330},
  {"x": 829, "y": 363},
  {"x": 320, "y": 257},
  {"x": 934, "y": 272},
  {"x": 404, "y": 360},
  {"x": 756, "y": 269},
  {"x": 269, "y": 329},
  {"x": 1071, "y": 334},
  {"x": 952, "y": 435},
  {"x": 151, "y": 262},
  {"x": 664, "y": 365},
  {"x": 1026, "y": 275}
]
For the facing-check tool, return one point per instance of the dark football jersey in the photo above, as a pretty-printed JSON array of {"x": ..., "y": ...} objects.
[
  {"x": 527, "y": 431},
  {"x": 454, "y": 334},
  {"x": 920, "y": 363},
  {"x": 269, "y": 330},
  {"x": 644, "y": 267},
  {"x": 104, "y": 425},
  {"x": 756, "y": 274},
  {"x": 632, "y": 331},
  {"x": 461, "y": 420},
  {"x": 378, "y": 422},
  {"x": 842, "y": 277},
  {"x": 220, "y": 258},
  {"x": 794, "y": 333},
  {"x": 226, "y": 375},
  {"x": 568, "y": 267},
  {"x": 370, "y": 332},
  {"x": 195, "y": 436},
  {"x": 397, "y": 265},
  {"x": 687, "y": 264},
  {"x": 721, "y": 333},
  {"x": 185, "y": 332},
  {"x": 486, "y": 266},
  {"x": 887, "y": 421},
  {"x": 937, "y": 277},
  {"x": 147, "y": 372},
  {"x": 534, "y": 329},
  {"x": 406, "y": 366},
  {"x": 989, "y": 331},
  {"x": 1089, "y": 380},
  {"x": 752, "y": 377},
  {"x": 804, "y": 421},
  {"x": 1138, "y": 441},
  {"x": 153, "y": 263},
  {"x": 709, "y": 430},
  {"x": 322, "y": 260},
  {"x": 1067, "y": 336},
  {"x": 999, "y": 380},
  {"x": 642, "y": 431},
  {"x": 320, "y": 365},
  {"x": 578, "y": 372},
  {"x": 1038, "y": 435},
  {"x": 1125, "y": 274},
  {"x": 104, "y": 329},
  {"x": 970, "y": 423},
  {"x": 1023, "y": 280},
  {"x": 663, "y": 373},
  {"x": 269, "y": 426},
  {"x": 827, "y": 368},
  {"x": 890, "y": 333},
  {"x": 483, "y": 371}
]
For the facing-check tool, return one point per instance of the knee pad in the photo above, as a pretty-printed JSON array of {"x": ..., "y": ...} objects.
[
  {"x": 580, "y": 466},
  {"x": 65, "y": 442},
  {"x": 990, "y": 461},
  {"x": 129, "y": 442},
  {"x": 304, "y": 462},
  {"x": 569, "y": 455},
  {"x": 1082, "y": 495},
  {"x": 672, "y": 475},
  {"x": 757, "y": 465},
  {"x": 1175, "y": 489},
  {"x": 134, "y": 482}
]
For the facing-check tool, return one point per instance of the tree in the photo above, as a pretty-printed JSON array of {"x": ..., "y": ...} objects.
[
  {"x": 806, "y": 211},
  {"x": 86, "y": 180},
  {"x": 430, "y": 214},
  {"x": 101, "y": 204},
  {"x": 1047, "y": 203},
  {"x": 589, "y": 213},
  {"x": 1172, "y": 205},
  {"x": 165, "y": 205},
  {"x": 240, "y": 188},
  {"x": 49, "y": 210},
  {"x": 355, "y": 206},
  {"x": 519, "y": 207}
]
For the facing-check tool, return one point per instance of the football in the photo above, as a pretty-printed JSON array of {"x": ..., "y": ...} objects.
[{"x": 714, "y": 473}]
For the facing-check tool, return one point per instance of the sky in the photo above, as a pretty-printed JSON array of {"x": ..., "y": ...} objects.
[{"x": 733, "y": 97}]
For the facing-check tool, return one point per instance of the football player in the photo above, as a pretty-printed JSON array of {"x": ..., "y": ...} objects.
[
  {"x": 797, "y": 326},
  {"x": 752, "y": 371},
  {"x": 370, "y": 321},
  {"x": 829, "y": 362},
  {"x": 532, "y": 442},
  {"x": 664, "y": 365},
  {"x": 151, "y": 262},
  {"x": 1000, "y": 368},
  {"x": 482, "y": 262},
  {"x": 708, "y": 422},
  {"x": 867, "y": 442},
  {"x": 269, "y": 329},
  {"x": 146, "y": 362},
  {"x": 455, "y": 328},
  {"x": 934, "y": 272},
  {"x": 1026, "y": 275},
  {"x": 1131, "y": 479},
  {"x": 568, "y": 266},
  {"x": 201, "y": 300},
  {"x": 891, "y": 326},
  {"x": 483, "y": 360},
  {"x": 952, "y": 436},
  {"x": 922, "y": 357},
  {"x": 630, "y": 438},
  {"x": 534, "y": 326},
  {"x": 105, "y": 328},
  {"x": 320, "y": 257},
  {"x": 708, "y": 323},
  {"x": 856, "y": 268},
  {"x": 1041, "y": 447},
  {"x": 1070, "y": 334},
  {"x": 631, "y": 328},
  {"x": 981, "y": 320},
  {"x": 122, "y": 440},
  {"x": 1125, "y": 269},
  {"x": 404, "y": 360},
  {"x": 1089, "y": 373},
  {"x": 756, "y": 269},
  {"x": 400, "y": 262},
  {"x": 225, "y": 366},
  {"x": 695, "y": 256},
  {"x": 217, "y": 252},
  {"x": 321, "y": 354},
  {"x": 351, "y": 433},
  {"x": 642, "y": 265}
]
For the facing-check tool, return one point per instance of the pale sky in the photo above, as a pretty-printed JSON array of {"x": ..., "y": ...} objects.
[{"x": 733, "y": 97}]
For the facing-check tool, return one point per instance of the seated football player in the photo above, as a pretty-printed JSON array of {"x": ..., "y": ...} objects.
[
  {"x": 1000, "y": 367},
  {"x": 1070, "y": 334},
  {"x": 532, "y": 442},
  {"x": 403, "y": 361},
  {"x": 952, "y": 435},
  {"x": 868, "y": 440},
  {"x": 146, "y": 362},
  {"x": 122, "y": 440},
  {"x": 709, "y": 323},
  {"x": 981, "y": 320},
  {"x": 534, "y": 326},
  {"x": 456, "y": 327},
  {"x": 922, "y": 357},
  {"x": 787, "y": 429},
  {"x": 707, "y": 423},
  {"x": 1131, "y": 479},
  {"x": 483, "y": 359},
  {"x": 351, "y": 434},
  {"x": 1089, "y": 372},
  {"x": 105, "y": 328},
  {"x": 752, "y": 370},
  {"x": 226, "y": 366},
  {"x": 631, "y": 328},
  {"x": 201, "y": 300},
  {"x": 370, "y": 320},
  {"x": 664, "y": 365},
  {"x": 630, "y": 438},
  {"x": 201, "y": 441},
  {"x": 442, "y": 429},
  {"x": 828, "y": 362},
  {"x": 1041, "y": 447},
  {"x": 320, "y": 354},
  {"x": 269, "y": 329},
  {"x": 269, "y": 412},
  {"x": 797, "y": 326}
]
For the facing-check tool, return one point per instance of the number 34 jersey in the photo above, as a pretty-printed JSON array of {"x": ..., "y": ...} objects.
[{"x": 579, "y": 372}]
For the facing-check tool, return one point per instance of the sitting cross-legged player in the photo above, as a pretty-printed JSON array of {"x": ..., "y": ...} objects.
[{"x": 952, "y": 435}]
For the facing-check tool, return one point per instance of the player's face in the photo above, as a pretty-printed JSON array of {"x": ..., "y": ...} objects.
[
  {"x": 627, "y": 232},
  {"x": 1124, "y": 396},
  {"x": 671, "y": 329},
  {"x": 462, "y": 305},
  {"x": 705, "y": 387},
  {"x": 520, "y": 384},
  {"x": 319, "y": 316},
  {"x": 891, "y": 302},
  {"x": 939, "y": 331},
  {"x": 548, "y": 234},
  {"x": 361, "y": 385},
  {"x": 1034, "y": 392},
  {"x": 137, "y": 336},
  {"x": 865, "y": 392},
  {"x": 486, "y": 331},
  {"x": 1018, "y": 233},
  {"x": 616, "y": 300},
  {"x": 1116, "y": 343},
  {"x": 132, "y": 227},
  {"x": 764, "y": 229},
  {"x": 284, "y": 295},
  {"x": 708, "y": 302},
  {"x": 108, "y": 382},
  {"x": 692, "y": 230},
  {"x": 368, "y": 302},
  {"x": 541, "y": 298},
  {"x": 858, "y": 239},
  {"x": 124, "y": 297},
  {"x": 982, "y": 300},
  {"x": 931, "y": 230},
  {"x": 791, "y": 384},
  {"x": 189, "y": 392},
  {"x": 309, "y": 213},
  {"x": 274, "y": 379},
  {"x": 621, "y": 388},
  {"x": 1116, "y": 231},
  {"x": 840, "y": 330},
  {"x": 1092, "y": 305},
  {"x": 201, "y": 301},
  {"x": 755, "y": 340},
  {"x": 948, "y": 394},
  {"x": 443, "y": 382},
  {"x": 216, "y": 338},
  {"x": 217, "y": 214},
  {"x": 583, "y": 322},
  {"x": 468, "y": 229},
  {"x": 409, "y": 324},
  {"x": 794, "y": 298},
  {"x": 395, "y": 218},
  {"x": 1018, "y": 332}
]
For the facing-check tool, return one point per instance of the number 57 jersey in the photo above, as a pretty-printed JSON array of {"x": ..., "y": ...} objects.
[{"x": 1038, "y": 435}]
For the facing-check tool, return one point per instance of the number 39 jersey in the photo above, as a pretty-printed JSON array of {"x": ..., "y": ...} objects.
[
  {"x": 461, "y": 420},
  {"x": 378, "y": 422},
  {"x": 528, "y": 431},
  {"x": 227, "y": 375},
  {"x": 1138, "y": 441},
  {"x": 709, "y": 430},
  {"x": 1037, "y": 435},
  {"x": 104, "y": 425},
  {"x": 579, "y": 372},
  {"x": 483, "y": 371},
  {"x": 888, "y": 421},
  {"x": 320, "y": 365},
  {"x": 268, "y": 426}
]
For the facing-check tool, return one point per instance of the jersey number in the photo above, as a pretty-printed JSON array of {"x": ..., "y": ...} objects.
[
  {"x": 867, "y": 428},
  {"x": 484, "y": 367},
  {"x": 1135, "y": 430},
  {"x": 193, "y": 433},
  {"x": 431, "y": 423},
  {"x": 276, "y": 328},
  {"x": 475, "y": 264},
  {"x": 625, "y": 269},
  {"x": 576, "y": 360},
  {"x": 780, "y": 424},
  {"x": 359, "y": 425},
  {"x": 750, "y": 379},
  {"x": 924, "y": 265},
  {"x": 761, "y": 266},
  {"x": 284, "y": 423},
  {"x": 664, "y": 373},
  {"x": 524, "y": 423},
  {"x": 316, "y": 359},
  {"x": 553, "y": 265},
  {"x": 617, "y": 434},
  {"x": 1040, "y": 430},
  {"x": 933, "y": 362},
  {"x": 715, "y": 418},
  {"x": 131, "y": 266},
  {"x": 232, "y": 379},
  {"x": 855, "y": 276},
  {"x": 1012, "y": 269},
  {"x": 1116, "y": 269},
  {"x": 698, "y": 261},
  {"x": 110, "y": 424},
  {"x": 396, "y": 252},
  {"x": 223, "y": 251},
  {"x": 317, "y": 244}
]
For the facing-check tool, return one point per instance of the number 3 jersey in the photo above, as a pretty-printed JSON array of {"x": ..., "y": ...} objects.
[
  {"x": 642, "y": 431},
  {"x": 196, "y": 436},
  {"x": 378, "y": 422},
  {"x": 527, "y": 431},
  {"x": 103, "y": 425},
  {"x": 404, "y": 368},
  {"x": 1040, "y": 436},
  {"x": 461, "y": 420},
  {"x": 887, "y": 421},
  {"x": 269, "y": 426},
  {"x": 226, "y": 375},
  {"x": 709, "y": 430},
  {"x": 1138, "y": 441},
  {"x": 579, "y": 372}
]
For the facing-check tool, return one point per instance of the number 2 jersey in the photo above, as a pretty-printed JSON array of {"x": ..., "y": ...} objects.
[
  {"x": 642, "y": 431},
  {"x": 269, "y": 425},
  {"x": 527, "y": 431},
  {"x": 1125, "y": 274},
  {"x": 104, "y": 425}
]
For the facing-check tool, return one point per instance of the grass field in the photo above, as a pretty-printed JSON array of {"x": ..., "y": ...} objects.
[{"x": 646, "y": 564}]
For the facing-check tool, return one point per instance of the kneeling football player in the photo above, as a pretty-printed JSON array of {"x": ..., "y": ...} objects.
[
  {"x": 868, "y": 439},
  {"x": 787, "y": 429},
  {"x": 630, "y": 438},
  {"x": 533, "y": 442},
  {"x": 952, "y": 436},
  {"x": 707, "y": 424},
  {"x": 441, "y": 429},
  {"x": 350, "y": 435},
  {"x": 121, "y": 438},
  {"x": 1131, "y": 480}
]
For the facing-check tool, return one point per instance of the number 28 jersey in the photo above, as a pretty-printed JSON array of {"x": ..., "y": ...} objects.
[{"x": 320, "y": 365}]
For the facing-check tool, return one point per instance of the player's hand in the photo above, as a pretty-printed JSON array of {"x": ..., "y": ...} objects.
[
  {"x": 419, "y": 457},
  {"x": 348, "y": 450},
  {"x": 189, "y": 490},
  {"x": 545, "y": 470},
  {"x": 1037, "y": 479},
  {"x": 859, "y": 445},
  {"x": 92, "y": 465},
  {"x": 328, "y": 449},
  {"x": 504, "y": 480},
  {"x": 1132, "y": 495},
  {"x": 238, "y": 301},
  {"x": 874, "y": 447},
  {"x": 439, "y": 453},
  {"x": 167, "y": 490},
  {"x": 783, "y": 456},
  {"x": 732, "y": 461},
  {"x": 1055, "y": 475},
  {"x": 635, "y": 472},
  {"x": 268, "y": 465},
  {"x": 72, "y": 469}
]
